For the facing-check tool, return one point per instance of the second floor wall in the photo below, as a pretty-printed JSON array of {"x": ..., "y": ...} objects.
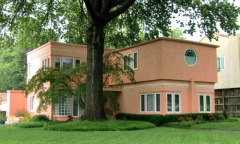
[{"x": 172, "y": 59}]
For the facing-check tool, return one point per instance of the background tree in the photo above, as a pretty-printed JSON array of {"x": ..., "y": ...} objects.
[{"x": 147, "y": 18}]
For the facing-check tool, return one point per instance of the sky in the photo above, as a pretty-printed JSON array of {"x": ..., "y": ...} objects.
[{"x": 197, "y": 36}]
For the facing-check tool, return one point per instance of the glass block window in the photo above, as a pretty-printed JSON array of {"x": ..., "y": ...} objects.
[
  {"x": 63, "y": 108},
  {"x": 190, "y": 57}
]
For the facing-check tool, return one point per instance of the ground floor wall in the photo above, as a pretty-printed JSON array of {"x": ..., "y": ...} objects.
[{"x": 167, "y": 97}]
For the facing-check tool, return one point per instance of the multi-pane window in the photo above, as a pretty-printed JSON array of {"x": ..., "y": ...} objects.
[
  {"x": 204, "y": 103},
  {"x": 130, "y": 61},
  {"x": 150, "y": 102},
  {"x": 63, "y": 107},
  {"x": 173, "y": 102},
  {"x": 31, "y": 102},
  {"x": 66, "y": 62},
  {"x": 45, "y": 63},
  {"x": 66, "y": 107},
  {"x": 220, "y": 63}
]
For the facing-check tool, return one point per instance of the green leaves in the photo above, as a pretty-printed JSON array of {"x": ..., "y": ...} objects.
[{"x": 50, "y": 84}]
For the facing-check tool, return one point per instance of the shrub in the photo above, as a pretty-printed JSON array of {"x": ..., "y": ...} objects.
[
  {"x": 155, "y": 119},
  {"x": 221, "y": 117},
  {"x": 225, "y": 114},
  {"x": 181, "y": 119},
  {"x": 199, "y": 118},
  {"x": 25, "y": 116},
  {"x": 39, "y": 118},
  {"x": 189, "y": 119},
  {"x": 210, "y": 117},
  {"x": 2, "y": 118},
  {"x": 163, "y": 119}
]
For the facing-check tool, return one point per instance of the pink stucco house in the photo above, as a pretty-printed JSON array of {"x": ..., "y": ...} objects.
[
  {"x": 172, "y": 77},
  {"x": 11, "y": 102}
]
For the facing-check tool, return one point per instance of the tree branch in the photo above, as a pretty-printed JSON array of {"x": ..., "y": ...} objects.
[
  {"x": 91, "y": 11},
  {"x": 125, "y": 5}
]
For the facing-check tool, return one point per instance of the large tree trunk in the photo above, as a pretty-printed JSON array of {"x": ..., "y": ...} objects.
[{"x": 94, "y": 105}]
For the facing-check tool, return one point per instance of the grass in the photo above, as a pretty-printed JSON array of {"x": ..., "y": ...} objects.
[
  {"x": 109, "y": 125},
  {"x": 29, "y": 124},
  {"x": 14, "y": 135},
  {"x": 224, "y": 125}
]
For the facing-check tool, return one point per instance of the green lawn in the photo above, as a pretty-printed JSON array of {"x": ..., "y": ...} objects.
[
  {"x": 14, "y": 135},
  {"x": 220, "y": 125}
]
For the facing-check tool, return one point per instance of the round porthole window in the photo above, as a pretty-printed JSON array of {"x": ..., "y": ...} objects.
[{"x": 190, "y": 57}]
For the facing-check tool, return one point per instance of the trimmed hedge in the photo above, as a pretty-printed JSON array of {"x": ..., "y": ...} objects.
[
  {"x": 159, "y": 120},
  {"x": 39, "y": 118}
]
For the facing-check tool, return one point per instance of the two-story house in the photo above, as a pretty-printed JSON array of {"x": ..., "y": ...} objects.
[
  {"x": 172, "y": 76},
  {"x": 227, "y": 89}
]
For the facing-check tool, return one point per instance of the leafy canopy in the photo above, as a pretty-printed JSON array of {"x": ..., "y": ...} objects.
[{"x": 52, "y": 85}]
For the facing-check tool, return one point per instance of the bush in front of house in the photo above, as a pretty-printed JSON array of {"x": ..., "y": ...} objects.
[
  {"x": 23, "y": 114},
  {"x": 39, "y": 118},
  {"x": 159, "y": 120}
]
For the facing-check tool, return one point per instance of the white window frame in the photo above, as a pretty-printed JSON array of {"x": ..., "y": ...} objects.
[
  {"x": 46, "y": 62},
  {"x": 31, "y": 103},
  {"x": 204, "y": 103},
  {"x": 131, "y": 62},
  {"x": 221, "y": 64},
  {"x": 29, "y": 70},
  {"x": 154, "y": 102},
  {"x": 173, "y": 102}
]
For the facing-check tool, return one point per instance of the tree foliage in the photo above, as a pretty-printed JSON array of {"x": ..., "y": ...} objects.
[
  {"x": 52, "y": 85},
  {"x": 117, "y": 23}
]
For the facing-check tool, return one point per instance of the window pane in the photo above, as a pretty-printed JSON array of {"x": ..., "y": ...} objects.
[
  {"x": 125, "y": 59},
  {"x": 57, "y": 62},
  {"x": 169, "y": 102},
  {"x": 208, "y": 107},
  {"x": 157, "y": 102},
  {"x": 130, "y": 61},
  {"x": 201, "y": 103},
  {"x": 222, "y": 63},
  {"x": 67, "y": 62},
  {"x": 31, "y": 103},
  {"x": 142, "y": 103},
  {"x": 177, "y": 103},
  {"x": 218, "y": 63},
  {"x": 135, "y": 64},
  {"x": 77, "y": 63},
  {"x": 150, "y": 102},
  {"x": 75, "y": 108}
]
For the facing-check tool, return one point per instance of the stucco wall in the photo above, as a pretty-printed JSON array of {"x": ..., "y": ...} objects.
[{"x": 229, "y": 77}]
